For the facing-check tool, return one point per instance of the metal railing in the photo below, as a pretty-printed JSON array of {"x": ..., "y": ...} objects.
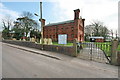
[{"x": 96, "y": 51}]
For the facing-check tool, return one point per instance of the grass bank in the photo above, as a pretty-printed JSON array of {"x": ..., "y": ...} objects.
[
  {"x": 105, "y": 46},
  {"x": 118, "y": 47},
  {"x": 68, "y": 44}
]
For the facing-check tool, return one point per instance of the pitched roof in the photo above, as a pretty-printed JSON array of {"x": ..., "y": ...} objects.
[{"x": 69, "y": 21}]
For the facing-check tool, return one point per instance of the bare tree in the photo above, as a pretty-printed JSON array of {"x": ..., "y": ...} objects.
[
  {"x": 88, "y": 32},
  {"x": 7, "y": 24},
  {"x": 27, "y": 14},
  {"x": 96, "y": 29},
  {"x": 26, "y": 22}
]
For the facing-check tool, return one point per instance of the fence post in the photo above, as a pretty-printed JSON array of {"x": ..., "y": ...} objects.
[
  {"x": 74, "y": 48},
  {"x": 91, "y": 45},
  {"x": 114, "y": 53}
]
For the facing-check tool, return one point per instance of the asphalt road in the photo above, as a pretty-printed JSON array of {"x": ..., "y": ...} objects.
[{"x": 18, "y": 63}]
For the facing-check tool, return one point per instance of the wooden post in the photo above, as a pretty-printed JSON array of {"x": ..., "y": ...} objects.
[
  {"x": 41, "y": 24},
  {"x": 75, "y": 48},
  {"x": 114, "y": 54}
]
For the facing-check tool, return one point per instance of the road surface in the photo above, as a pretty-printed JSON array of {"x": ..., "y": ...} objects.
[{"x": 18, "y": 63}]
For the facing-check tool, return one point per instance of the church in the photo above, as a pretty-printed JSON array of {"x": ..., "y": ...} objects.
[{"x": 72, "y": 28}]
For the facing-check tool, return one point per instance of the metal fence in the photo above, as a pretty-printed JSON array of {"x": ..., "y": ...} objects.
[{"x": 99, "y": 52}]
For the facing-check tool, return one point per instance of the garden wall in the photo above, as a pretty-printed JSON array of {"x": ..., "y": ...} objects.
[
  {"x": 68, "y": 50},
  {"x": 118, "y": 58}
]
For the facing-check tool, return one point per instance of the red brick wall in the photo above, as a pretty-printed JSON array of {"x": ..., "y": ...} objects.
[
  {"x": 80, "y": 30},
  {"x": 50, "y": 32},
  {"x": 73, "y": 30}
]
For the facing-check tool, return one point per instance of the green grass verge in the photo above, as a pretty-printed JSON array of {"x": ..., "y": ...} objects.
[
  {"x": 105, "y": 46},
  {"x": 68, "y": 44},
  {"x": 118, "y": 47}
]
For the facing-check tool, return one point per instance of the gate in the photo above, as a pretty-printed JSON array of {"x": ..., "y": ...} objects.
[{"x": 95, "y": 51}]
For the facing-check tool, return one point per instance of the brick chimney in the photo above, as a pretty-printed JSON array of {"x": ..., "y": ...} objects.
[
  {"x": 43, "y": 21},
  {"x": 83, "y": 21},
  {"x": 76, "y": 14}
]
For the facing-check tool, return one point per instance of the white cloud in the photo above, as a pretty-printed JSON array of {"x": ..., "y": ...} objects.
[
  {"x": 5, "y": 12},
  {"x": 102, "y": 10}
]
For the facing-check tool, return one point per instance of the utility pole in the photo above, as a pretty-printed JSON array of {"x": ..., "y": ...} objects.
[
  {"x": 41, "y": 23},
  {"x": 116, "y": 34},
  {"x": 112, "y": 33}
]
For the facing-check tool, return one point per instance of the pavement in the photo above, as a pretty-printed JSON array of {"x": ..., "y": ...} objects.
[
  {"x": 97, "y": 55},
  {"x": 92, "y": 52},
  {"x": 24, "y": 62}
]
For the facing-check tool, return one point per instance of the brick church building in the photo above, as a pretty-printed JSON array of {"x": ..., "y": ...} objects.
[{"x": 73, "y": 28}]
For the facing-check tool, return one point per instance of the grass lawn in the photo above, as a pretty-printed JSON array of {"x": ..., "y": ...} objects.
[
  {"x": 118, "y": 47},
  {"x": 105, "y": 46},
  {"x": 68, "y": 44}
]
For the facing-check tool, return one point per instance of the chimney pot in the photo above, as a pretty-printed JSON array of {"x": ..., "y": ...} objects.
[{"x": 76, "y": 14}]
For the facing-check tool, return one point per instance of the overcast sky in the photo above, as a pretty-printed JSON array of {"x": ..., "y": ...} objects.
[{"x": 61, "y": 10}]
